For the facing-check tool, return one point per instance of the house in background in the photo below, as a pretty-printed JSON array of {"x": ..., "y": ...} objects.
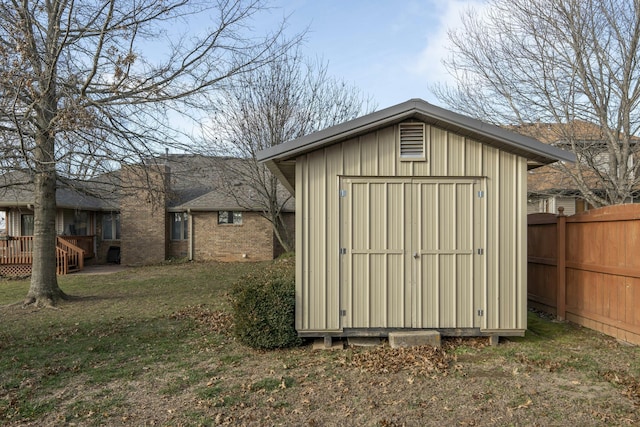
[
  {"x": 180, "y": 208},
  {"x": 412, "y": 217},
  {"x": 214, "y": 215},
  {"x": 550, "y": 187}
]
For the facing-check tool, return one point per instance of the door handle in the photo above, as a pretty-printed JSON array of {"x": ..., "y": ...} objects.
[{"x": 416, "y": 255}]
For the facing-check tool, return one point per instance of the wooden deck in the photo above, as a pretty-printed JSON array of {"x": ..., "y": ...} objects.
[{"x": 16, "y": 254}]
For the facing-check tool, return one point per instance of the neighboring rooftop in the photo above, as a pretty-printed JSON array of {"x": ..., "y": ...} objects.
[{"x": 196, "y": 182}]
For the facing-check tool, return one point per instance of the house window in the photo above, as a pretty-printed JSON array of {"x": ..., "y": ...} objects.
[
  {"x": 412, "y": 141},
  {"x": 111, "y": 226},
  {"x": 76, "y": 223},
  {"x": 229, "y": 217},
  {"x": 26, "y": 225},
  {"x": 179, "y": 226}
]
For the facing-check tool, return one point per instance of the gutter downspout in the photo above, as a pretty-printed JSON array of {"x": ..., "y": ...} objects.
[{"x": 190, "y": 240}]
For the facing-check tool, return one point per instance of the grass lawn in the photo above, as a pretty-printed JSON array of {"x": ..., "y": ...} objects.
[{"x": 152, "y": 346}]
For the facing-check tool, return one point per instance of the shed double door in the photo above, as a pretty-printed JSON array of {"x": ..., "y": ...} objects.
[{"x": 412, "y": 252}]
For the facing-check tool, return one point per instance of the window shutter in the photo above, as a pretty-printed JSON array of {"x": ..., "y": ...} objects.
[{"x": 412, "y": 146}]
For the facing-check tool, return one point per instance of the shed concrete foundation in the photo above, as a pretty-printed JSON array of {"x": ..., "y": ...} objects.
[{"x": 414, "y": 338}]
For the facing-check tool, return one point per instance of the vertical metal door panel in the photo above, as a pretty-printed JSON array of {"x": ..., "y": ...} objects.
[
  {"x": 410, "y": 246},
  {"x": 360, "y": 290},
  {"x": 445, "y": 246},
  {"x": 373, "y": 234}
]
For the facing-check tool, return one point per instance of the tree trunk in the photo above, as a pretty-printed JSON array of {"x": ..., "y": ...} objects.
[
  {"x": 44, "y": 290},
  {"x": 282, "y": 233}
]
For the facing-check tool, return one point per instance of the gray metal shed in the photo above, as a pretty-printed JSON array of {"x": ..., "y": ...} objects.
[{"x": 412, "y": 217}]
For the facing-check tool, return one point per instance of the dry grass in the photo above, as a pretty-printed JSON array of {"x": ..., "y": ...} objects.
[{"x": 151, "y": 346}]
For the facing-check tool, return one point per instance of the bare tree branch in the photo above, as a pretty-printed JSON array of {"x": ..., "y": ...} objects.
[
  {"x": 567, "y": 62},
  {"x": 287, "y": 99},
  {"x": 86, "y": 86}
]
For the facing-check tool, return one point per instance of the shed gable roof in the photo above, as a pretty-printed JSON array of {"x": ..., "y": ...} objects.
[{"x": 281, "y": 158}]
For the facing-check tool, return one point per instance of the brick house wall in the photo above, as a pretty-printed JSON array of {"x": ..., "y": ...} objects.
[
  {"x": 178, "y": 249},
  {"x": 229, "y": 242},
  {"x": 143, "y": 216}
]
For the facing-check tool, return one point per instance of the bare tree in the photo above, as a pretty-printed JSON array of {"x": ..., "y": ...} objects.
[
  {"x": 86, "y": 85},
  {"x": 572, "y": 63},
  {"x": 286, "y": 99}
]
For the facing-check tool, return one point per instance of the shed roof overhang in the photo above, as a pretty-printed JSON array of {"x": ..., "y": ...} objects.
[{"x": 280, "y": 159}]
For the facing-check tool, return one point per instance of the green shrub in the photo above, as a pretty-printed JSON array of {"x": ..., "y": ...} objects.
[{"x": 264, "y": 307}]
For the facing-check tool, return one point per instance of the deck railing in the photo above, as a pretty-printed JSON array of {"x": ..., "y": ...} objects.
[
  {"x": 83, "y": 242},
  {"x": 70, "y": 252},
  {"x": 16, "y": 250},
  {"x": 74, "y": 255}
]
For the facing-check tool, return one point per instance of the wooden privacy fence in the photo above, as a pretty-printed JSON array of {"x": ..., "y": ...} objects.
[{"x": 586, "y": 268}]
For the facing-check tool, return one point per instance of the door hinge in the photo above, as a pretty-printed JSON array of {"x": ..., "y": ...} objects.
[
  {"x": 343, "y": 313},
  {"x": 480, "y": 312},
  {"x": 343, "y": 193},
  {"x": 480, "y": 251},
  {"x": 343, "y": 251},
  {"x": 480, "y": 194}
]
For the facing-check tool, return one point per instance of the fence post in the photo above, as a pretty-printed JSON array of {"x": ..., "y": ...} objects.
[{"x": 561, "y": 291}]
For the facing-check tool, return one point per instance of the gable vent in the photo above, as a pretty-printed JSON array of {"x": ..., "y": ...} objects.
[{"x": 412, "y": 141}]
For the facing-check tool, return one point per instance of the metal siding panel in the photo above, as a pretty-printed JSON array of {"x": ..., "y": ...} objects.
[
  {"x": 360, "y": 291},
  {"x": 378, "y": 291},
  {"x": 377, "y": 246},
  {"x": 456, "y": 155},
  {"x": 317, "y": 233},
  {"x": 491, "y": 165},
  {"x": 446, "y": 211},
  {"x": 464, "y": 216},
  {"x": 430, "y": 232},
  {"x": 474, "y": 153},
  {"x": 522, "y": 243},
  {"x": 447, "y": 280},
  {"x": 480, "y": 260},
  {"x": 465, "y": 212},
  {"x": 346, "y": 270},
  {"x": 369, "y": 154},
  {"x": 410, "y": 297},
  {"x": 447, "y": 215},
  {"x": 302, "y": 242},
  {"x": 351, "y": 157},
  {"x": 387, "y": 151},
  {"x": 333, "y": 156},
  {"x": 394, "y": 263},
  {"x": 360, "y": 208},
  {"x": 465, "y": 282},
  {"x": 508, "y": 247},
  {"x": 447, "y": 284},
  {"x": 395, "y": 277},
  {"x": 439, "y": 151},
  {"x": 377, "y": 232},
  {"x": 360, "y": 283}
]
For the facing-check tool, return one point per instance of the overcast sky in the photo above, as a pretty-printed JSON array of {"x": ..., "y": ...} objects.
[{"x": 391, "y": 50}]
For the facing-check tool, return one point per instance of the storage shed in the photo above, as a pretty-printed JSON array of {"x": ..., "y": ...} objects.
[{"x": 412, "y": 217}]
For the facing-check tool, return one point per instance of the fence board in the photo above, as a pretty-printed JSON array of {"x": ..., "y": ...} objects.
[{"x": 585, "y": 268}]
